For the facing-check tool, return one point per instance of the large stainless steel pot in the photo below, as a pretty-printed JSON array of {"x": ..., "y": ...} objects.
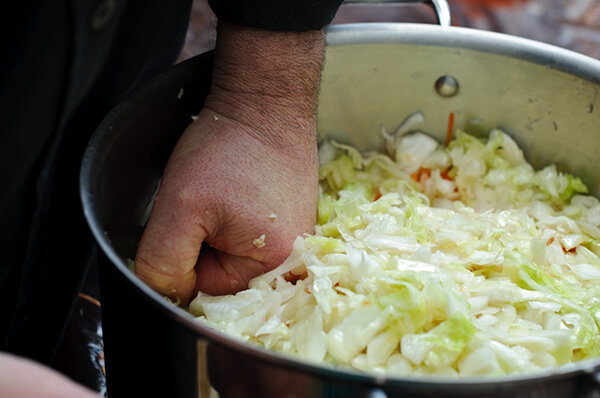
[{"x": 546, "y": 97}]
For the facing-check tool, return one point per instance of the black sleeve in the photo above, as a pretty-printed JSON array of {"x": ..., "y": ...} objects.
[{"x": 281, "y": 15}]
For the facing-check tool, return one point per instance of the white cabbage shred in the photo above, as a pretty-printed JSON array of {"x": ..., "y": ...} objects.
[{"x": 447, "y": 260}]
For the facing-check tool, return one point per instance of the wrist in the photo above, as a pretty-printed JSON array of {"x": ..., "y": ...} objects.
[{"x": 265, "y": 79}]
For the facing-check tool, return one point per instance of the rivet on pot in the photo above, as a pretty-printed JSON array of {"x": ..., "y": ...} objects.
[{"x": 446, "y": 86}]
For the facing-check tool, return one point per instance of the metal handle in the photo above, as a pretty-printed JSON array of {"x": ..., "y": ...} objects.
[{"x": 440, "y": 7}]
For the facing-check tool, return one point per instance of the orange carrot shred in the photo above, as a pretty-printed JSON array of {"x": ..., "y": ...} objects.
[
  {"x": 450, "y": 128},
  {"x": 376, "y": 194},
  {"x": 421, "y": 175},
  {"x": 446, "y": 174},
  {"x": 415, "y": 176}
]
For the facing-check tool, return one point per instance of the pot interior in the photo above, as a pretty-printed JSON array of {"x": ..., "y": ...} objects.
[{"x": 544, "y": 97}]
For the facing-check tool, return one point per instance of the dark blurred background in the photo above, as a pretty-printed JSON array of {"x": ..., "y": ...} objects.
[{"x": 572, "y": 24}]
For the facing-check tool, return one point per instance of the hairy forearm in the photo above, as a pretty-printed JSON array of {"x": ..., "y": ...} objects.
[{"x": 263, "y": 78}]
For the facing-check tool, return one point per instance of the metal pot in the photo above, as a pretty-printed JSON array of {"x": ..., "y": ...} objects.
[{"x": 545, "y": 97}]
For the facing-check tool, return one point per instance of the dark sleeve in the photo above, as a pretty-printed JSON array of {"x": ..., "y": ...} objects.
[{"x": 281, "y": 15}]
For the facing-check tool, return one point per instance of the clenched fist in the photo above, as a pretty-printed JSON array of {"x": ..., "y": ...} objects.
[{"x": 242, "y": 181}]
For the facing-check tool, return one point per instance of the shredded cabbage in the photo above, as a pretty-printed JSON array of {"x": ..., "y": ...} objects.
[{"x": 449, "y": 260}]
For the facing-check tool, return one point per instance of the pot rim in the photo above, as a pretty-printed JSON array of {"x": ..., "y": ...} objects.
[
  {"x": 340, "y": 35},
  {"x": 551, "y": 56}
]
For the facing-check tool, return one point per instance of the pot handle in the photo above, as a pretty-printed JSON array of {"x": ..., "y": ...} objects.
[{"x": 440, "y": 7}]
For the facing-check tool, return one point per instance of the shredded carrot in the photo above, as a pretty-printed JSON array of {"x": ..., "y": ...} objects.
[
  {"x": 564, "y": 249},
  {"x": 571, "y": 250},
  {"x": 450, "y": 128},
  {"x": 421, "y": 175},
  {"x": 376, "y": 194},
  {"x": 425, "y": 175},
  {"x": 445, "y": 174}
]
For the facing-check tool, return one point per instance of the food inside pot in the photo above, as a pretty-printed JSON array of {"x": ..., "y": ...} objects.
[{"x": 453, "y": 258}]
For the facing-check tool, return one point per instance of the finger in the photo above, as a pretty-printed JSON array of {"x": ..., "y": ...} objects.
[
  {"x": 169, "y": 248},
  {"x": 220, "y": 273}
]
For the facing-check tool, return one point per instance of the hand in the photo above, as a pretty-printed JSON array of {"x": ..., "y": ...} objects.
[
  {"x": 20, "y": 377},
  {"x": 244, "y": 173}
]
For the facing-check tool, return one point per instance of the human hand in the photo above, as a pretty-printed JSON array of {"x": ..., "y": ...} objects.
[
  {"x": 23, "y": 378},
  {"x": 247, "y": 167}
]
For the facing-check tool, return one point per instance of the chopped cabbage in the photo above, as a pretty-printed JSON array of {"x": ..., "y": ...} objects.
[{"x": 449, "y": 260}]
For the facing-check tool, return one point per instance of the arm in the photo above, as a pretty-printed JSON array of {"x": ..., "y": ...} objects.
[{"x": 249, "y": 155}]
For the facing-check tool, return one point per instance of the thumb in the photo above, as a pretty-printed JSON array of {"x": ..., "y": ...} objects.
[{"x": 169, "y": 249}]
